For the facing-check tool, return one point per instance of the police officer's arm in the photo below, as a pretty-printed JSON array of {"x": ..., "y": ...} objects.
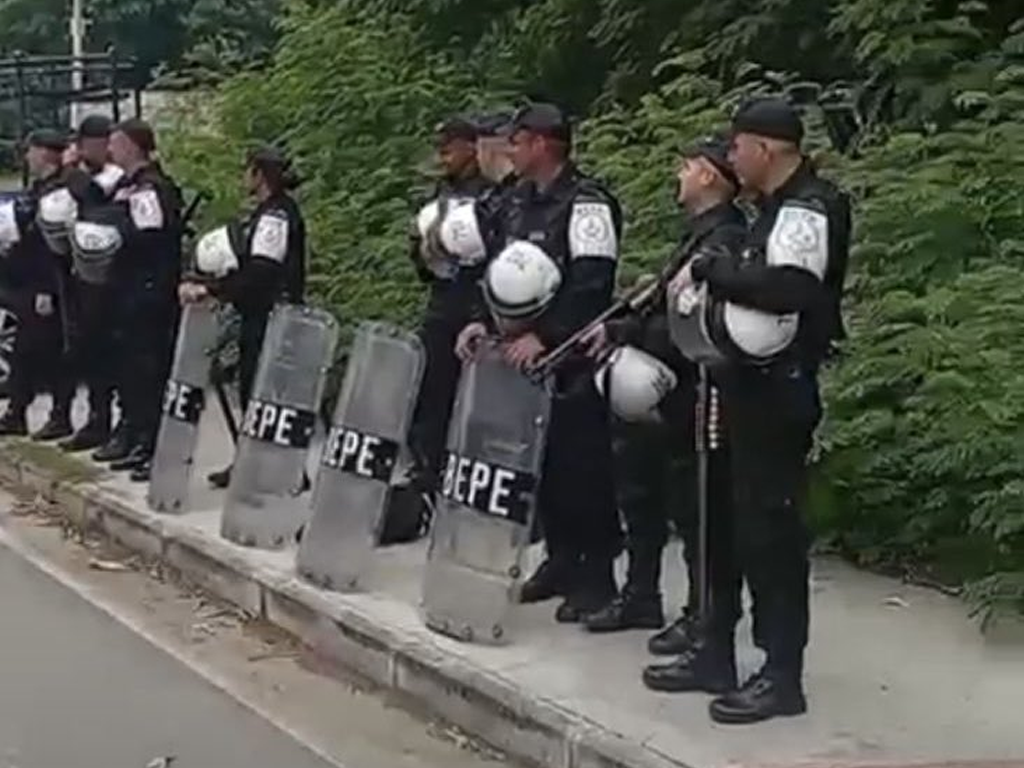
[
  {"x": 790, "y": 279},
  {"x": 589, "y": 278},
  {"x": 89, "y": 189},
  {"x": 258, "y": 282}
]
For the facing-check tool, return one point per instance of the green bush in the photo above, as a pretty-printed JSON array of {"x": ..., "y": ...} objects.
[{"x": 919, "y": 462}]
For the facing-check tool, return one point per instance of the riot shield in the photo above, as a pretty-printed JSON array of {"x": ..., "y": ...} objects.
[
  {"x": 184, "y": 402},
  {"x": 359, "y": 460},
  {"x": 262, "y": 508},
  {"x": 482, "y": 522}
]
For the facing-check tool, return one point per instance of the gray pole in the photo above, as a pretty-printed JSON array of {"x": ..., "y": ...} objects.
[{"x": 77, "y": 46}]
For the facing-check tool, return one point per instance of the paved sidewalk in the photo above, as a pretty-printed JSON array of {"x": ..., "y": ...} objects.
[{"x": 896, "y": 674}]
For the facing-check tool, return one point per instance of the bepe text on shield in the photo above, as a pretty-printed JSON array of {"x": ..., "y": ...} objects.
[
  {"x": 281, "y": 425},
  {"x": 487, "y": 488},
  {"x": 183, "y": 402},
  {"x": 360, "y": 454}
]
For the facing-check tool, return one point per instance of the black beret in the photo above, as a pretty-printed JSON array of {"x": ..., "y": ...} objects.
[
  {"x": 47, "y": 138},
  {"x": 95, "y": 127},
  {"x": 541, "y": 118},
  {"x": 770, "y": 118},
  {"x": 494, "y": 123},
  {"x": 455, "y": 128},
  {"x": 140, "y": 132},
  {"x": 714, "y": 149},
  {"x": 267, "y": 157}
]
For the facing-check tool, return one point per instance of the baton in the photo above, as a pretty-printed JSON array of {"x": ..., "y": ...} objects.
[
  {"x": 225, "y": 407},
  {"x": 702, "y": 422},
  {"x": 191, "y": 210},
  {"x": 223, "y": 400},
  {"x": 635, "y": 300}
]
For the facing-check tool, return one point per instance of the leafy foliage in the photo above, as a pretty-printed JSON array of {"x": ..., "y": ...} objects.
[
  {"x": 213, "y": 35},
  {"x": 923, "y": 99}
]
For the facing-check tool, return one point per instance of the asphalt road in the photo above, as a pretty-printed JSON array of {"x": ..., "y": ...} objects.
[{"x": 77, "y": 690}]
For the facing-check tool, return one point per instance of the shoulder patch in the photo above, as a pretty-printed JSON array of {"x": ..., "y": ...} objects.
[
  {"x": 270, "y": 237},
  {"x": 146, "y": 211},
  {"x": 800, "y": 239},
  {"x": 592, "y": 231}
]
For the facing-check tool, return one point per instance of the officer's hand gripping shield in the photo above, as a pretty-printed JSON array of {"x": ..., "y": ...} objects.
[
  {"x": 184, "y": 403},
  {"x": 358, "y": 465},
  {"x": 263, "y": 508},
  {"x": 481, "y": 527}
]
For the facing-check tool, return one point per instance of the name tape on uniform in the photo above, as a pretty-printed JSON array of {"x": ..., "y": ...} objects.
[
  {"x": 359, "y": 454},
  {"x": 488, "y": 488},
  {"x": 279, "y": 424},
  {"x": 184, "y": 402}
]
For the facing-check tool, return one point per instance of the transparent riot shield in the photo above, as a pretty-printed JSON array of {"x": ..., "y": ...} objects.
[
  {"x": 482, "y": 522},
  {"x": 359, "y": 460},
  {"x": 263, "y": 508},
  {"x": 184, "y": 402}
]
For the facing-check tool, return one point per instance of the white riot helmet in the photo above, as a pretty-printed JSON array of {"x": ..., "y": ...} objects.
[
  {"x": 10, "y": 227},
  {"x": 94, "y": 244},
  {"x": 427, "y": 223},
  {"x": 460, "y": 233},
  {"x": 217, "y": 252},
  {"x": 57, "y": 213},
  {"x": 634, "y": 383},
  {"x": 521, "y": 282}
]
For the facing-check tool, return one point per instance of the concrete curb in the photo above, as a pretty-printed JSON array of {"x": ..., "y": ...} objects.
[{"x": 483, "y": 703}]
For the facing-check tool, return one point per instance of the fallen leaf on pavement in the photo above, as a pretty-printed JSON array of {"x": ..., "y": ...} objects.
[
  {"x": 895, "y": 602},
  {"x": 110, "y": 566}
]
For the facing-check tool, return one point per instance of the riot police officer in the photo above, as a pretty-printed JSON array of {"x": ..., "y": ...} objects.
[
  {"x": 655, "y": 458},
  {"x": 493, "y": 151},
  {"x": 143, "y": 282},
  {"x": 91, "y": 179},
  {"x": 30, "y": 273},
  {"x": 781, "y": 310},
  {"x": 453, "y": 288},
  {"x": 577, "y": 224},
  {"x": 264, "y": 263}
]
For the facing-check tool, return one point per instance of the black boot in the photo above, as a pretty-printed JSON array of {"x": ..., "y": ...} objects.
[
  {"x": 594, "y": 588},
  {"x": 220, "y": 480},
  {"x": 677, "y": 638},
  {"x": 711, "y": 667},
  {"x": 13, "y": 423},
  {"x": 58, "y": 426},
  {"x": 639, "y": 605},
  {"x": 763, "y": 697},
  {"x": 142, "y": 473},
  {"x": 627, "y": 611},
  {"x": 135, "y": 458},
  {"x": 117, "y": 447},
  {"x": 551, "y": 579},
  {"x": 95, "y": 433}
]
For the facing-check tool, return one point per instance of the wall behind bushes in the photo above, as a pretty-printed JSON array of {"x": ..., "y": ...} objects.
[{"x": 916, "y": 106}]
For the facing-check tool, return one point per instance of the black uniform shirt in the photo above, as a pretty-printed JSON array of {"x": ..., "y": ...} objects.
[
  {"x": 578, "y": 224},
  {"x": 30, "y": 267},
  {"x": 718, "y": 230},
  {"x": 148, "y": 265},
  {"x": 794, "y": 261},
  {"x": 273, "y": 266}
]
